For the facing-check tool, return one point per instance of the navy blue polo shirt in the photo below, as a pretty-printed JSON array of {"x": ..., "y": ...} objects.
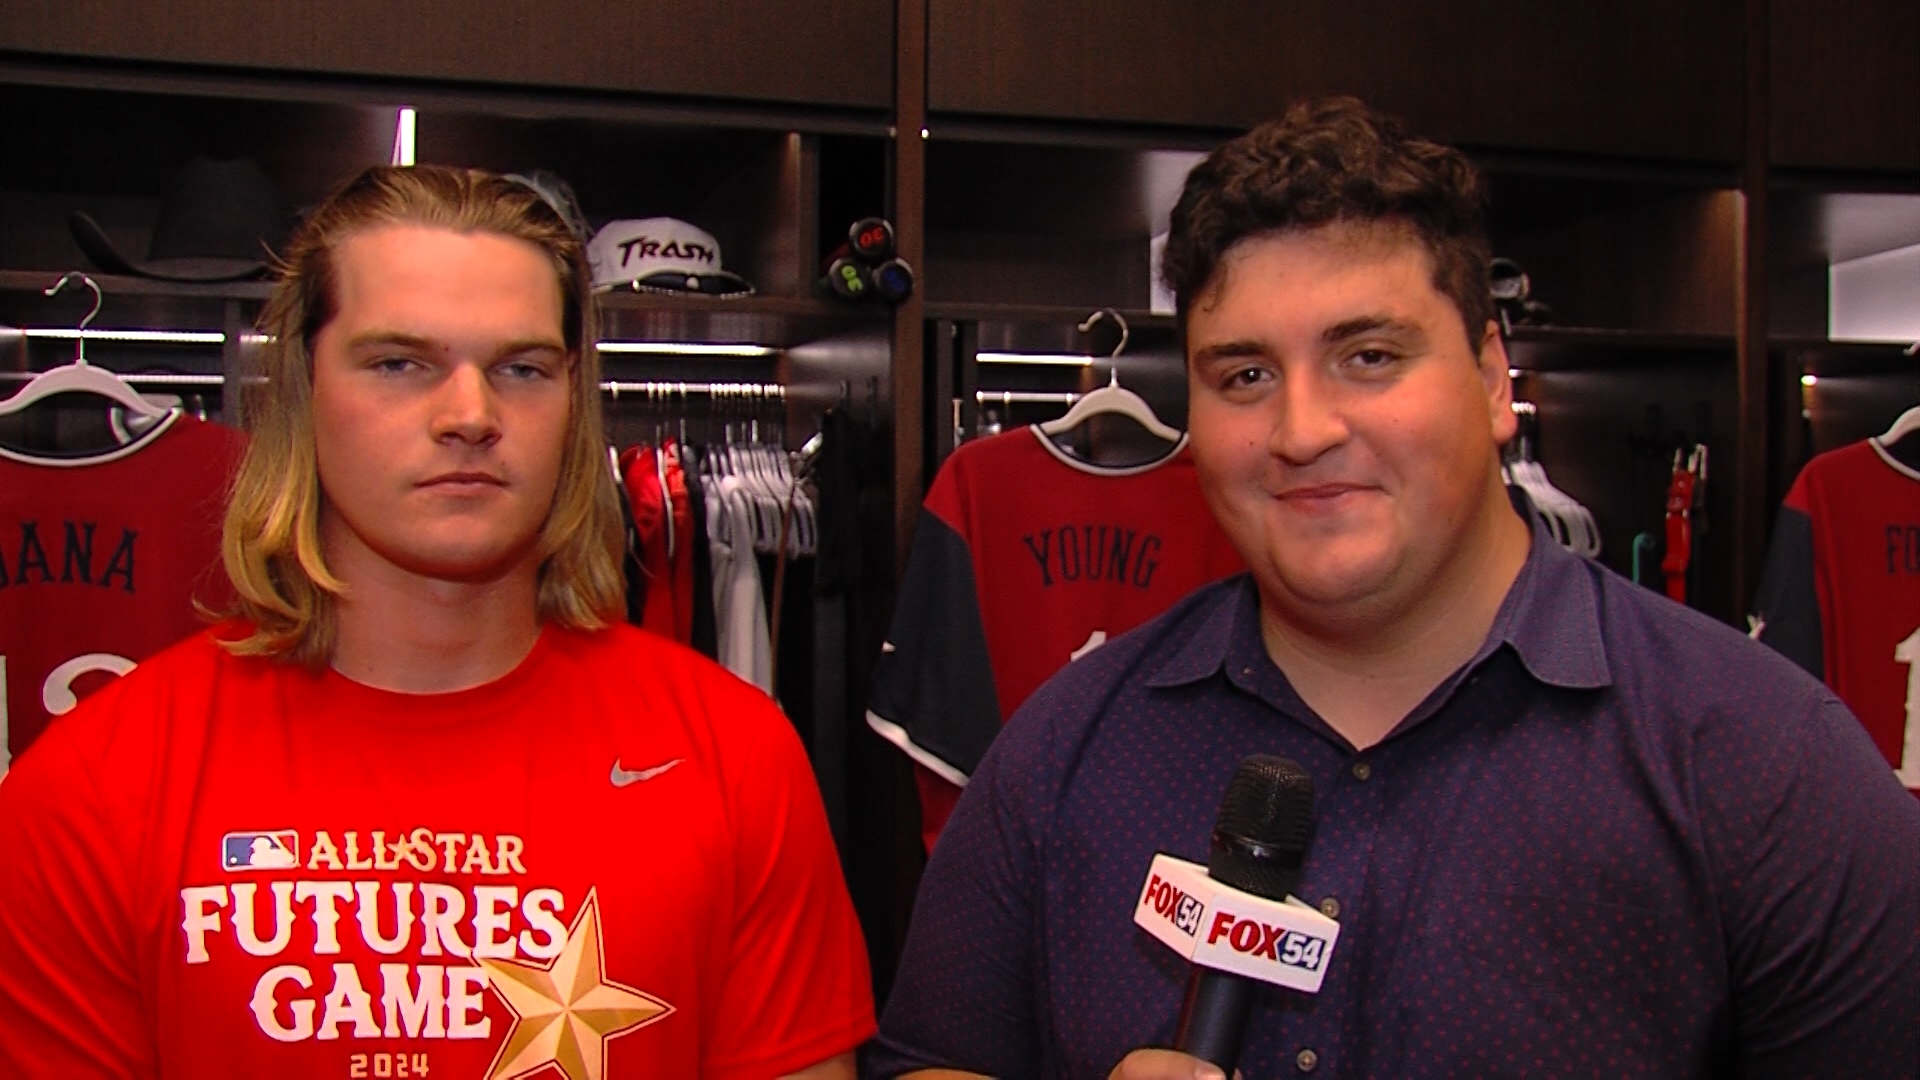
[{"x": 1622, "y": 840}]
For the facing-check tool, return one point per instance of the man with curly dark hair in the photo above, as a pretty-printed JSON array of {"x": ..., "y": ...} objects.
[{"x": 1567, "y": 827}]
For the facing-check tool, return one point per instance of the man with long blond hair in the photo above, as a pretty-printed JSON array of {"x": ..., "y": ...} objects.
[{"x": 424, "y": 806}]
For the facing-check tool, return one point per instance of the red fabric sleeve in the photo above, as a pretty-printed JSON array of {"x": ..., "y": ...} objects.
[
  {"x": 797, "y": 985},
  {"x": 70, "y": 1002},
  {"x": 937, "y": 800}
]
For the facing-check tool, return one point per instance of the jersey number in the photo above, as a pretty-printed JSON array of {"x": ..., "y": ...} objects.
[
  {"x": 56, "y": 693},
  {"x": 1094, "y": 641},
  {"x": 1908, "y": 652}
]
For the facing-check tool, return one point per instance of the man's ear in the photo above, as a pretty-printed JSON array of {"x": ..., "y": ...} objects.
[{"x": 1494, "y": 367}]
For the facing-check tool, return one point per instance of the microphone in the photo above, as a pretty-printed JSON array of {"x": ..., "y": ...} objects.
[{"x": 1233, "y": 918}]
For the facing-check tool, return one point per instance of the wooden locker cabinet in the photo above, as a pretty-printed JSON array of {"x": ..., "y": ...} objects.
[
  {"x": 1844, "y": 148},
  {"x": 1844, "y": 92},
  {"x": 1638, "y": 78},
  {"x": 797, "y": 51},
  {"x": 109, "y": 140}
]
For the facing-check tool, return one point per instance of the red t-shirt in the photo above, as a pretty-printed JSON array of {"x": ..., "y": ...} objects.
[
  {"x": 101, "y": 561},
  {"x": 613, "y": 858}
]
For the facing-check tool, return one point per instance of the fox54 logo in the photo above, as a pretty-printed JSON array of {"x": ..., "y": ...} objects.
[
  {"x": 1277, "y": 944},
  {"x": 1172, "y": 904}
]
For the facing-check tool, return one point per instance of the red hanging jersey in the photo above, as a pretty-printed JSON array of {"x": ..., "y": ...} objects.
[
  {"x": 1841, "y": 592},
  {"x": 1023, "y": 559},
  {"x": 101, "y": 562}
]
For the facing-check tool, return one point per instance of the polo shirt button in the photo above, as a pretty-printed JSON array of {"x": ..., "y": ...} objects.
[
  {"x": 1306, "y": 1061},
  {"x": 1362, "y": 770},
  {"x": 1330, "y": 907}
]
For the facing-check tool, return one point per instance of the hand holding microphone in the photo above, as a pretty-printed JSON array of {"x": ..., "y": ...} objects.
[
  {"x": 1233, "y": 918},
  {"x": 1165, "y": 1065}
]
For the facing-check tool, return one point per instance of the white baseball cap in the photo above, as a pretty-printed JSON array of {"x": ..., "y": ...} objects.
[{"x": 660, "y": 254}]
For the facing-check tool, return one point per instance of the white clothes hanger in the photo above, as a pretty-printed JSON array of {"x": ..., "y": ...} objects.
[
  {"x": 1116, "y": 399},
  {"x": 1112, "y": 398},
  {"x": 1907, "y": 424},
  {"x": 1909, "y": 421},
  {"x": 1565, "y": 517},
  {"x": 81, "y": 376}
]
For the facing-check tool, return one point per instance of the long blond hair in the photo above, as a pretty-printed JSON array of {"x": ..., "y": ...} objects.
[{"x": 270, "y": 541}]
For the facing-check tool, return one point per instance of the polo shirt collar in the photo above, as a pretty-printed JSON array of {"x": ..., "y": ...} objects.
[
  {"x": 1220, "y": 626},
  {"x": 1550, "y": 618}
]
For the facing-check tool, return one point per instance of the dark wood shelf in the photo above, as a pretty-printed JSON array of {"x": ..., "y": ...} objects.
[
  {"x": 1571, "y": 348},
  {"x": 1602, "y": 337},
  {"x": 112, "y": 285},
  {"x": 777, "y": 321},
  {"x": 1844, "y": 359},
  {"x": 958, "y": 311},
  {"x": 129, "y": 303}
]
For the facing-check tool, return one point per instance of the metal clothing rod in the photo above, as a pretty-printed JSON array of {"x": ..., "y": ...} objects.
[
  {"x": 152, "y": 379},
  {"x": 1024, "y": 397},
  {"x": 765, "y": 391}
]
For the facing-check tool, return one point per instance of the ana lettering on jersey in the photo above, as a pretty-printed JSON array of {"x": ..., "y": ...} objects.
[
  {"x": 76, "y": 559},
  {"x": 1092, "y": 553}
]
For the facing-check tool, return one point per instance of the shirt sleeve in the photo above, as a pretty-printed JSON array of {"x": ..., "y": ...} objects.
[
  {"x": 1815, "y": 846},
  {"x": 70, "y": 1003},
  {"x": 1786, "y": 606},
  {"x": 933, "y": 690},
  {"x": 964, "y": 996},
  {"x": 797, "y": 985}
]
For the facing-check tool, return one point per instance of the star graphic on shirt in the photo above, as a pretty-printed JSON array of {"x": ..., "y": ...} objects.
[{"x": 565, "y": 1011}]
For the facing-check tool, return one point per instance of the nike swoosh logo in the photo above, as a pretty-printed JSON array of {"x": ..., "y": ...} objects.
[{"x": 622, "y": 777}]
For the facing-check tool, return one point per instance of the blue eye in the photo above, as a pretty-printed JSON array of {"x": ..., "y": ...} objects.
[{"x": 524, "y": 371}]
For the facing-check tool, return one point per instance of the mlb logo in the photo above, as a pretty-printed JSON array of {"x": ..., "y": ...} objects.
[
  {"x": 260, "y": 850},
  {"x": 1186, "y": 915}
]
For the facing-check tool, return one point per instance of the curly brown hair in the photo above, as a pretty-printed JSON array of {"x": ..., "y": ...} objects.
[{"x": 1334, "y": 161}]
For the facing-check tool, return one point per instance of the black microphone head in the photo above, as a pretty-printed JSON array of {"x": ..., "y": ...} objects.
[{"x": 1266, "y": 820}]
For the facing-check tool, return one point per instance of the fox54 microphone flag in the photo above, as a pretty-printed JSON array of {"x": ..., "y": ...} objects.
[{"x": 1217, "y": 926}]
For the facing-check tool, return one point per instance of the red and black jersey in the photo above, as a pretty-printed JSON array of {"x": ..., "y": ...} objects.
[
  {"x": 1841, "y": 591},
  {"x": 101, "y": 561},
  {"x": 1023, "y": 559}
]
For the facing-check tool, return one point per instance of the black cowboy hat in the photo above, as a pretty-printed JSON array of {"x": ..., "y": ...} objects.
[{"x": 220, "y": 221}]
